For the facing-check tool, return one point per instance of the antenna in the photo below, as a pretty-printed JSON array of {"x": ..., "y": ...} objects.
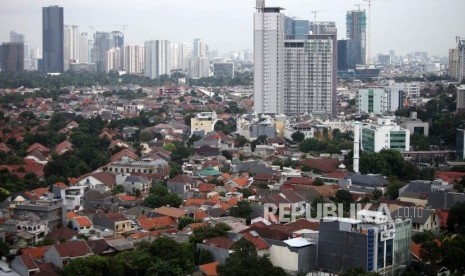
[
  {"x": 369, "y": 28},
  {"x": 315, "y": 13}
]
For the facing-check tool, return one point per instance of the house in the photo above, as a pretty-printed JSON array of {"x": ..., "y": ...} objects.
[
  {"x": 422, "y": 219},
  {"x": 124, "y": 153},
  {"x": 323, "y": 165},
  {"x": 172, "y": 212},
  {"x": 209, "y": 269},
  {"x": 156, "y": 223},
  {"x": 61, "y": 234},
  {"x": 63, "y": 147},
  {"x": 238, "y": 182},
  {"x": 25, "y": 265},
  {"x": 95, "y": 199},
  {"x": 103, "y": 181},
  {"x": 180, "y": 184},
  {"x": 63, "y": 253},
  {"x": 362, "y": 183},
  {"x": 51, "y": 210},
  {"x": 115, "y": 222},
  {"x": 100, "y": 247},
  {"x": 132, "y": 183},
  {"x": 219, "y": 247},
  {"x": 82, "y": 225}
]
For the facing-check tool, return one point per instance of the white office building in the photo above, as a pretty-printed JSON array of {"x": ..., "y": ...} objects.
[
  {"x": 372, "y": 101},
  {"x": 199, "y": 67},
  {"x": 268, "y": 59},
  {"x": 113, "y": 60},
  {"x": 385, "y": 134}
]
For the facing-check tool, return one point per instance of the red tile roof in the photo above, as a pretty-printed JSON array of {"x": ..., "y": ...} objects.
[
  {"x": 156, "y": 223},
  {"x": 258, "y": 242},
  {"x": 221, "y": 242},
  {"x": 125, "y": 152},
  {"x": 73, "y": 249},
  {"x": 195, "y": 202},
  {"x": 205, "y": 188},
  {"x": 241, "y": 181},
  {"x": 29, "y": 262},
  {"x": 83, "y": 221},
  {"x": 450, "y": 177},
  {"x": 37, "y": 146},
  {"x": 210, "y": 269},
  {"x": 325, "y": 165},
  {"x": 35, "y": 252}
]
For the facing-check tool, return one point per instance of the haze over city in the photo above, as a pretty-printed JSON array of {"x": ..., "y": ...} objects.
[{"x": 403, "y": 26}]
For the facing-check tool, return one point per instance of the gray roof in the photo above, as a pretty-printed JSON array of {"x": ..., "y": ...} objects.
[
  {"x": 445, "y": 200},
  {"x": 367, "y": 180},
  {"x": 255, "y": 167},
  {"x": 417, "y": 186},
  {"x": 417, "y": 215},
  {"x": 136, "y": 178}
]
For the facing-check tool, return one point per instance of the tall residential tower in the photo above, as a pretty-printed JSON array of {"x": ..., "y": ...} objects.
[{"x": 268, "y": 59}]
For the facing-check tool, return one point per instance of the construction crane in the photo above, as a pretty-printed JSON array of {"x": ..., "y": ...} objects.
[
  {"x": 123, "y": 26},
  {"x": 315, "y": 13},
  {"x": 359, "y": 5},
  {"x": 93, "y": 26},
  {"x": 369, "y": 28}
]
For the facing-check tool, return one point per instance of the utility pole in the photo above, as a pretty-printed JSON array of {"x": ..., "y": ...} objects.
[{"x": 315, "y": 13}]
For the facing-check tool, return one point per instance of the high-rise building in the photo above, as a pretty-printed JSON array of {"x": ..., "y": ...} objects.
[
  {"x": 343, "y": 55},
  {"x": 199, "y": 67},
  {"x": 372, "y": 101},
  {"x": 454, "y": 64},
  {"x": 356, "y": 32},
  {"x": 461, "y": 58},
  {"x": 104, "y": 41},
  {"x": 16, "y": 37},
  {"x": 199, "y": 48},
  {"x": 12, "y": 57},
  {"x": 52, "y": 39},
  {"x": 461, "y": 98},
  {"x": 174, "y": 56},
  {"x": 134, "y": 59},
  {"x": 460, "y": 143},
  {"x": 113, "y": 60},
  {"x": 84, "y": 53},
  {"x": 310, "y": 71},
  {"x": 223, "y": 69},
  {"x": 185, "y": 52},
  {"x": 71, "y": 45},
  {"x": 269, "y": 25},
  {"x": 157, "y": 58}
]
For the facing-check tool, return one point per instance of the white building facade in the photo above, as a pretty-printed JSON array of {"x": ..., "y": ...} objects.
[{"x": 384, "y": 134}]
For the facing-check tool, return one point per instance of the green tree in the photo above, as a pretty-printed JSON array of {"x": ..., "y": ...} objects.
[
  {"x": 4, "y": 249},
  {"x": 429, "y": 252},
  {"x": 318, "y": 182},
  {"x": 242, "y": 210},
  {"x": 245, "y": 261},
  {"x": 160, "y": 196},
  {"x": 456, "y": 219},
  {"x": 166, "y": 249},
  {"x": 93, "y": 265},
  {"x": 298, "y": 136},
  {"x": 118, "y": 189},
  {"x": 183, "y": 222},
  {"x": 377, "y": 194}
]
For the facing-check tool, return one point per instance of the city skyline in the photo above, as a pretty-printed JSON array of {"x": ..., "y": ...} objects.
[{"x": 225, "y": 25}]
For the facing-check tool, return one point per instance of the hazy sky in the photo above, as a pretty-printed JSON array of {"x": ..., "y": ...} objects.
[{"x": 402, "y": 25}]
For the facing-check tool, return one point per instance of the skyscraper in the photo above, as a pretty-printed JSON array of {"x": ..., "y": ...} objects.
[
  {"x": 104, "y": 41},
  {"x": 157, "y": 58},
  {"x": 84, "y": 48},
  {"x": 133, "y": 59},
  {"x": 52, "y": 39},
  {"x": 461, "y": 59},
  {"x": 356, "y": 32},
  {"x": 200, "y": 48},
  {"x": 71, "y": 45},
  {"x": 310, "y": 71},
  {"x": 12, "y": 57},
  {"x": 269, "y": 25}
]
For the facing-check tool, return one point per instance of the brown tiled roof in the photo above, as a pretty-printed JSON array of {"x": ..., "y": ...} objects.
[
  {"x": 270, "y": 233},
  {"x": 180, "y": 178},
  {"x": 125, "y": 152},
  {"x": 73, "y": 249},
  {"x": 47, "y": 269},
  {"x": 221, "y": 242},
  {"x": 37, "y": 146},
  {"x": 98, "y": 246},
  {"x": 65, "y": 145},
  {"x": 115, "y": 217},
  {"x": 170, "y": 211},
  {"x": 324, "y": 165},
  {"x": 205, "y": 188},
  {"x": 62, "y": 233},
  {"x": 325, "y": 190},
  {"x": 195, "y": 202},
  {"x": 106, "y": 178}
]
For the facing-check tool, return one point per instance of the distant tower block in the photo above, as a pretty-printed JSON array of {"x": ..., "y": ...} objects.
[
  {"x": 260, "y": 4},
  {"x": 356, "y": 146}
]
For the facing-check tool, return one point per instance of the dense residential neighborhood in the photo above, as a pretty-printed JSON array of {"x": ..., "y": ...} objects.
[{"x": 87, "y": 181}]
